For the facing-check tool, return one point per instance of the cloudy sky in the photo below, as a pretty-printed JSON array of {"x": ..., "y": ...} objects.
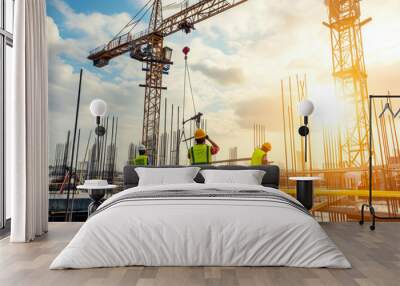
[{"x": 237, "y": 61}]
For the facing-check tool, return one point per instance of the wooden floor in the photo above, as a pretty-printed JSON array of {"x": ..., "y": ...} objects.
[{"x": 375, "y": 257}]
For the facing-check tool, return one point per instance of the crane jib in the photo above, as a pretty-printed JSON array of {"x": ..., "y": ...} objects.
[{"x": 193, "y": 14}]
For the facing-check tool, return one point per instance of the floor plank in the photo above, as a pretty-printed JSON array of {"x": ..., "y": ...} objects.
[{"x": 375, "y": 257}]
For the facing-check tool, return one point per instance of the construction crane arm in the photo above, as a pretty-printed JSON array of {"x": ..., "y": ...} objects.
[
  {"x": 183, "y": 20},
  {"x": 200, "y": 11}
]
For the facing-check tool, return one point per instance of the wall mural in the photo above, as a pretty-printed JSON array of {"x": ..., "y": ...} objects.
[{"x": 238, "y": 69}]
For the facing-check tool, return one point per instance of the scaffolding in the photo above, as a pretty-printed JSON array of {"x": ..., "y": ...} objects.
[{"x": 259, "y": 135}]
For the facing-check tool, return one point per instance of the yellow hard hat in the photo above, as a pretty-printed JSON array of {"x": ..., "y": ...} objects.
[
  {"x": 200, "y": 134},
  {"x": 266, "y": 147}
]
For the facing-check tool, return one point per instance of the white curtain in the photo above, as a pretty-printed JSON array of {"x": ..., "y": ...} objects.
[{"x": 26, "y": 124}]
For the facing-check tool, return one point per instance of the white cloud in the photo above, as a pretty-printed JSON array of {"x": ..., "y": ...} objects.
[
  {"x": 124, "y": 98},
  {"x": 221, "y": 75}
]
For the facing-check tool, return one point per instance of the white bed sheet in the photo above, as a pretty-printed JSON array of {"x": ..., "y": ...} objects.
[{"x": 200, "y": 232}]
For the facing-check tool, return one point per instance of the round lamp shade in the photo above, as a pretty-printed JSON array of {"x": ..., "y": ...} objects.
[
  {"x": 98, "y": 107},
  {"x": 306, "y": 108}
]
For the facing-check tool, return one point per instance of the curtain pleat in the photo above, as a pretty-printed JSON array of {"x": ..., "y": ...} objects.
[{"x": 28, "y": 158}]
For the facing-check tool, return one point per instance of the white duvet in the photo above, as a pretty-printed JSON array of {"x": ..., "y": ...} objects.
[{"x": 200, "y": 232}]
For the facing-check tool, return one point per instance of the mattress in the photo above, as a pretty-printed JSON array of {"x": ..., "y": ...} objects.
[{"x": 201, "y": 225}]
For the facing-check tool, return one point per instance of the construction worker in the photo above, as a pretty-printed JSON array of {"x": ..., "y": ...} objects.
[
  {"x": 142, "y": 159},
  {"x": 259, "y": 156},
  {"x": 201, "y": 153}
]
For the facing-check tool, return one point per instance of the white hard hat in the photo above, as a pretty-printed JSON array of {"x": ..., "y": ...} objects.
[{"x": 142, "y": 148}]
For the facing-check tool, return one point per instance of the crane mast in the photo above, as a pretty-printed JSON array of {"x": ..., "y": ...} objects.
[
  {"x": 153, "y": 83},
  {"x": 350, "y": 75},
  {"x": 156, "y": 18},
  {"x": 148, "y": 47}
]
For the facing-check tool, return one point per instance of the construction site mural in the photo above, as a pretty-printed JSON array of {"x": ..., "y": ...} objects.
[{"x": 246, "y": 67}]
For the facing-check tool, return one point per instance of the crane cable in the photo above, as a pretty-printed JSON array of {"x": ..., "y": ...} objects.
[
  {"x": 141, "y": 18},
  {"x": 191, "y": 90},
  {"x": 184, "y": 105},
  {"x": 132, "y": 21},
  {"x": 187, "y": 79}
]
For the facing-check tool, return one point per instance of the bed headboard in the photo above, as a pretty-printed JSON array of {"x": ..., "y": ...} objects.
[{"x": 270, "y": 179}]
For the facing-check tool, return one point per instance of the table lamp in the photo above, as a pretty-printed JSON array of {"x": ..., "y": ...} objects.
[
  {"x": 98, "y": 108},
  {"x": 306, "y": 108}
]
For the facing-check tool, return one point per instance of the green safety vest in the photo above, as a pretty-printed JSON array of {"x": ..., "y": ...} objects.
[
  {"x": 200, "y": 154},
  {"x": 257, "y": 157},
  {"x": 141, "y": 160}
]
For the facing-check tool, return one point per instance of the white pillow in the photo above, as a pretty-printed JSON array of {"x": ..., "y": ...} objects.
[
  {"x": 166, "y": 176},
  {"x": 248, "y": 177}
]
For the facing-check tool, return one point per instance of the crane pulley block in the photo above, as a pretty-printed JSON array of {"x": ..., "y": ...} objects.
[{"x": 186, "y": 26}]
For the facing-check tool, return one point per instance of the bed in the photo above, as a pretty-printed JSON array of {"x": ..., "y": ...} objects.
[{"x": 198, "y": 224}]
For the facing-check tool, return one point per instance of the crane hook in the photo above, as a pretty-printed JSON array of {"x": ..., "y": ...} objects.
[{"x": 186, "y": 51}]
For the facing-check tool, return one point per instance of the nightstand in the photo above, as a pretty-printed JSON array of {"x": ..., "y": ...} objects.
[
  {"x": 96, "y": 194},
  {"x": 305, "y": 190}
]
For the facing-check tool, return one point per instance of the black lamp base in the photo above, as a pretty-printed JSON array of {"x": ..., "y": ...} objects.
[{"x": 305, "y": 193}]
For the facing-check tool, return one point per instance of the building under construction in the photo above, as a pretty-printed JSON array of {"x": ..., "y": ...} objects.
[
  {"x": 344, "y": 156},
  {"x": 98, "y": 160},
  {"x": 344, "y": 172}
]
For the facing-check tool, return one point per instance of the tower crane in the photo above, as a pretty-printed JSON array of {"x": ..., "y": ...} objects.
[
  {"x": 350, "y": 74},
  {"x": 148, "y": 47}
]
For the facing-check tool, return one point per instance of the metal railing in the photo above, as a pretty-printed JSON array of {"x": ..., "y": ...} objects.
[{"x": 121, "y": 40}]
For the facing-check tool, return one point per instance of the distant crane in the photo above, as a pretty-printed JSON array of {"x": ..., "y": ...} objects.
[
  {"x": 147, "y": 47},
  {"x": 350, "y": 75}
]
